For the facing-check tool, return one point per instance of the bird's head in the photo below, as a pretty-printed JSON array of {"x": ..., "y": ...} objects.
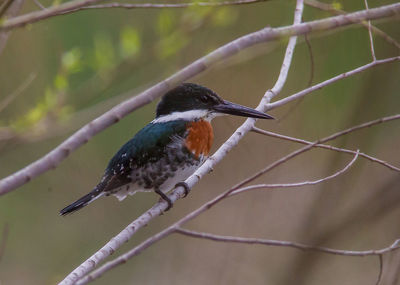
[{"x": 190, "y": 101}]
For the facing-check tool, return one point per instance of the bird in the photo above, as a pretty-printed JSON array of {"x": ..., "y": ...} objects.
[{"x": 167, "y": 150}]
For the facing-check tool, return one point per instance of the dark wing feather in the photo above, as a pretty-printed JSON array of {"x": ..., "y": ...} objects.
[{"x": 148, "y": 145}]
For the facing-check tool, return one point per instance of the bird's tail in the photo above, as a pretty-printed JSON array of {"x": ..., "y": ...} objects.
[{"x": 82, "y": 202}]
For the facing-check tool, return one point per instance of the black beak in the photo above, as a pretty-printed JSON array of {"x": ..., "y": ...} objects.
[{"x": 238, "y": 110}]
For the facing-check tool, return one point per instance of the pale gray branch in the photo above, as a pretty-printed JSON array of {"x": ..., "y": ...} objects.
[
  {"x": 308, "y": 147},
  {"x": 10, "y": 8},
  {"x": 320, "y": 85},
  {"x": 371, "y": 40},
  {"x": 167, "y": 5},
  {"x": 369, "y": 157},
  {"x": 378, "y": 281},
  {"x": 333, "y": 10},
  {"x": 11, "y": 97},
  {"x": 37, "y": 2},
  {"x": 298, "y": 184},
  {"x": 301, "y": 246}
]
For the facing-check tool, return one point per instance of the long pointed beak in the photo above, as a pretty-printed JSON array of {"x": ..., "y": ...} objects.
[{"x": 238, "y": 110}]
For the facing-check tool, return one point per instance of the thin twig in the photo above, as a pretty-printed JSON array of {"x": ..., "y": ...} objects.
[
  {"x": 53, "y": 158},
  {"x": 77, "y": 5},
  {"x": 371, "y": 40},
  {"x": 333, "y": 10},
  {"x": 380, "y": 256},
  {"x": 269, "y": 242},
  {"x": 369, "y": 157},
  {"x": 298, "y": 184},
  {"x": 320, "y": 85},
  {"x": 3, "y": 240},
  {"x": 9, "y": 12},
  {"x": 308, "y": 147},
  {"x": 310, "y": 80},
  {"x": 128, "y": 232},
  {"x": 167, "y": 5},
  {"x": 17, "y": 92},
  {"x": 37, "y": 2},
  {"x": 4, "y": 7},
  {"x": 312, "y": 64}
]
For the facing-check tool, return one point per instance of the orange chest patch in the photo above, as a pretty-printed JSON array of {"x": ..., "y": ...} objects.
[{"x": 200, "y": 138}]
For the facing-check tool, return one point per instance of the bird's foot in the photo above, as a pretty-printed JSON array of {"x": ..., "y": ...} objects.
[
  {"x": 185, "y": 187},
  {"x": 165, "y": 198}
]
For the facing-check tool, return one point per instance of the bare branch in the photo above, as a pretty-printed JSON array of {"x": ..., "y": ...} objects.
[
  {"x": 295, "y": 245},
  {"x": 17, "y": 92},
  {"x": 37, "y": 2},
  {"x": 10, "y": 8},
  {"x": 53, "y": 158},
  {"x": 4, "y": 6},
  {"x": 380, "y": 256},
  {"x": 3, "y": 240},
  {"x": 178, "y": 192},
  {"x": 166, "y": 5},
  {"x": 333, "y": 10},
  {"x": 330, "y": 81},
  {"x": 299, "y": 184},
  {"x": 371, "y": 158},
  {"x": 371, "y": 40},
  {"x": 308, "y": 147},
  {"x": 77, "y": 5},
  {"x": 312, "y": 64}
]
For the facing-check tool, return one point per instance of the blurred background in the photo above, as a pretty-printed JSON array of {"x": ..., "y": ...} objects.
[{"x": 65, "y": 71}]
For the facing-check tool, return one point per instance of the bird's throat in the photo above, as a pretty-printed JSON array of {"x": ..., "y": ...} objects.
[{"x": 200, "y": 138}]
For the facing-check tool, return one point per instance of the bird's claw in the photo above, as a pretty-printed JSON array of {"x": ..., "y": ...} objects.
[
  {"x": 185, "y": 187},
  {"x": 166, "y": 199}
]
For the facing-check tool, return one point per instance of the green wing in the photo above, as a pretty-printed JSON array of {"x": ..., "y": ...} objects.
[{"x": 148, "y": 145}]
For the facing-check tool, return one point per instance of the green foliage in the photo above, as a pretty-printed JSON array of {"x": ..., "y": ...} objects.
[
  {"x": 166, "y": 22},
  {"x": 104, "y": 56},
  {"x": 56, "y": 2},
  {"x": 71, "y": 61},
  {"x": 224, "y": 17},
  {"x": 130, "y": 43},
  {"x": 37, "y": 113},
  {"x": 337, "y": 5},
  {"x": 171, "y": 44},
  {"x": 175, "y": 31},
  {"x": 195, "y": 15},
  {"x": 61, "y": 82}
]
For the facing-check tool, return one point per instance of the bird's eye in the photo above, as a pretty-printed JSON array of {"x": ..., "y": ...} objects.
[{"x": 204, "y": 99}]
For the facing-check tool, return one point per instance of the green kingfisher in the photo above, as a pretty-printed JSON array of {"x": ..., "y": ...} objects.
[{"x": 169, "y": 149}]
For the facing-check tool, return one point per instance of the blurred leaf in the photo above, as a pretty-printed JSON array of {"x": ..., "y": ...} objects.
[
  {"x": 71, "y": 60},
  {"x": 166, "y": 22},
  {"x": 104, "y": 54},
  {"x": 195, "y": 15},
  {"x": 50, "y": 99},
  {"x": 337, "y": 5},
  {"x": 171, "y": 45},
  {"x": 56, "y": 2},
  {"x": 34, "y": 115},
  {"x": 129, "y": 42},
  {"x": 65, "y": 112},
  {"x": 225, "y": 16},
  {"x": 61, "y": 82}
]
